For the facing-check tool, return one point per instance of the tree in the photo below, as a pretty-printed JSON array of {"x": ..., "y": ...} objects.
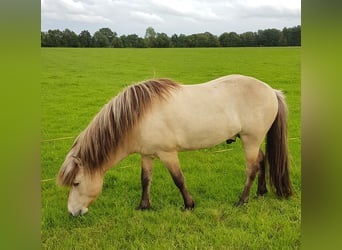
[
  {"x": 70, "y": 39},
  {"x": 85, "y": 39},
  {"x": 43, "y": 39},
  {"x": 162, "y": 41},
  {"x": 52, "y": 38},
  {"x": 283, "y": 39},
  {"x": 231, "y": 39},
  {"x": 108, "y": 33},
  {"x": 248, "y": 39},
  {"x": 174, "y": 41},
  {"x": 269, "y": 37},
  {"x": 292, "y": 36},
  {"x": 212, "y": 40},
  {"x": 204, "y": 40},
  {"x": 105, "y": 37},
  {"x": 116, "y": 42},
  {"x": 191, "y": 41},
  {"x": 180, "y": 41},
  {"x": 132, "y": 41},
  {"x": 150, "y": 36},
  {"x": 100, "y": 40}
]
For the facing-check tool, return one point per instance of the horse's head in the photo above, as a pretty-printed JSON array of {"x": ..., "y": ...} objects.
[{"x": 84, "y": 185}]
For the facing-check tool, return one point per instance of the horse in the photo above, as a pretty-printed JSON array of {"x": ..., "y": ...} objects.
[{"x": 158, "y": 118}]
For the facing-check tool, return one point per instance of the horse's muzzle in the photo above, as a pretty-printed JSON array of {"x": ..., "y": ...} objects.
[{"x": 78, "y": 212}]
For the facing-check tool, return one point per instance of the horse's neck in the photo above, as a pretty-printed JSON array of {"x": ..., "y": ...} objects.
[{"x": 121, "y": 153}]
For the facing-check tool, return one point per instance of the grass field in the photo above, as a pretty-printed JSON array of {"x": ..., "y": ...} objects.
[{"x": 76, "y": 83}]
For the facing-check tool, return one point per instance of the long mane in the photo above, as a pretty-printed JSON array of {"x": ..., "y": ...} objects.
[{"x": 111, "y": 125}]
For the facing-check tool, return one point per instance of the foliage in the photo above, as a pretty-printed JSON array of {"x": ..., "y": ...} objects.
[
  {"x": 150, "y": 37},
  {"x": 231, "y": 39},
  {"x": 76, "y": 83},
  {"x": 132, "y": 41},
  {"x": 105, "y": 37},
  {"x": 85, "y": 39},
  {"x": 100, "y": 40}
]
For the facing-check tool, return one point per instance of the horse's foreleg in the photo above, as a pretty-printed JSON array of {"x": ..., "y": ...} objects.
[
  {"x": 172, "y": 163},
  {"x": 146, "y": 177}
]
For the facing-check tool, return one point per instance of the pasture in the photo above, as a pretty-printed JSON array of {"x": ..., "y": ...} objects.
[{"x": 76, "y": 83}]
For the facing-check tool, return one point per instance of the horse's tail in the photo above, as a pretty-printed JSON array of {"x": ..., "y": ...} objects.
[{"x": 277, "y": 151}]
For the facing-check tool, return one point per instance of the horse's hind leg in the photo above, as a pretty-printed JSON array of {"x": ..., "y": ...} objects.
[
  {"x": 261, "y": 175},
  {"x": 253, "y": 157},
  {"x": 146, "y": 177},
  {"x": 170, "y": 159}
]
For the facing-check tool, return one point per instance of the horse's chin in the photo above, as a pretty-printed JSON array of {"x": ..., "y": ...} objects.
[{"x": 84, "y": 210}]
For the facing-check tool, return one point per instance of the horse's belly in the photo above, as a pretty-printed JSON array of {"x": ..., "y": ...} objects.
[
  {"x": 204, "y": 133},
  {"x": 176, "y": 131}
]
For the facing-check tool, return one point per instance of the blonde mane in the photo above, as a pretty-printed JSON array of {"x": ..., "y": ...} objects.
[{"x": 112, "y": 124}]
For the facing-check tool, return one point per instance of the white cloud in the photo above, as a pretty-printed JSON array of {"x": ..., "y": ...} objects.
[
  {"x": 177, "y": 16},
  {"x": 89, "y": 19},
  {"x": 201, "y": 10},
  {"x": 290, "y": 4},
  {"x": 73, "y": 11},
  {"x": 269, "y": 11},
  {"x": 146, "y": 17}
]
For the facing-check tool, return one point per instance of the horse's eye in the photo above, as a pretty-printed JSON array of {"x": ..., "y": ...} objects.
[{"x": 76, "y": 184}]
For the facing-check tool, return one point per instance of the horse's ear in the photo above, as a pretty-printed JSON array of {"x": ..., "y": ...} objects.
[{"x": 68, "y": 171}]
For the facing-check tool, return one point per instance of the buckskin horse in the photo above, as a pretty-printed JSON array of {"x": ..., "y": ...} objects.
[{"x": 159, "y": 118}]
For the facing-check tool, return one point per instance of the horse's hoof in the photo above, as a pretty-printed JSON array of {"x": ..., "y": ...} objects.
[
  {"x": 143, "y": 207},
  {"x": 240, "y": 203},
  {"x": 190, "y": 207},
  {"x": 261, "y": 193}
]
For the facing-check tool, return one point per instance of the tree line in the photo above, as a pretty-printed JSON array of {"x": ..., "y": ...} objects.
[{"x": 106, "y": 38}]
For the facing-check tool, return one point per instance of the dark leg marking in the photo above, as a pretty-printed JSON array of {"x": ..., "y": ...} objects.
[
  {"x": 253, "y": 157},
  {"x": 245, "y": 194},
  {"x": 146, "y": 177},
  {"x": 179, "y": 181},
  {"x": 259, "y": 165},
  {"x": 262, "y": 175},
  {"x": 170, "y": 159}
]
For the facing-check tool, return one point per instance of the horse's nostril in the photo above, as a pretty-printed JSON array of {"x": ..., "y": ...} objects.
[
  {"x": 75, "y": 213},
  {"x": 81, "y": 211}
]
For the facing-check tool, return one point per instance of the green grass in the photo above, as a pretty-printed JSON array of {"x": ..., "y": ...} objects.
[{"x": 76, "y": 83}]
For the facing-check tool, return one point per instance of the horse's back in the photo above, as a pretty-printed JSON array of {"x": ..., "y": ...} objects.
[
  {"x": 234, "y": 99},
  {"x": 203, "y": 115},
  {"x": 247, "y": 88},
  {"x": 251, "y": 99}
]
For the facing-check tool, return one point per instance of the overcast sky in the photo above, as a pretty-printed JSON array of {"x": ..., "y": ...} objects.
[{"x": 169, "y": 16}]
